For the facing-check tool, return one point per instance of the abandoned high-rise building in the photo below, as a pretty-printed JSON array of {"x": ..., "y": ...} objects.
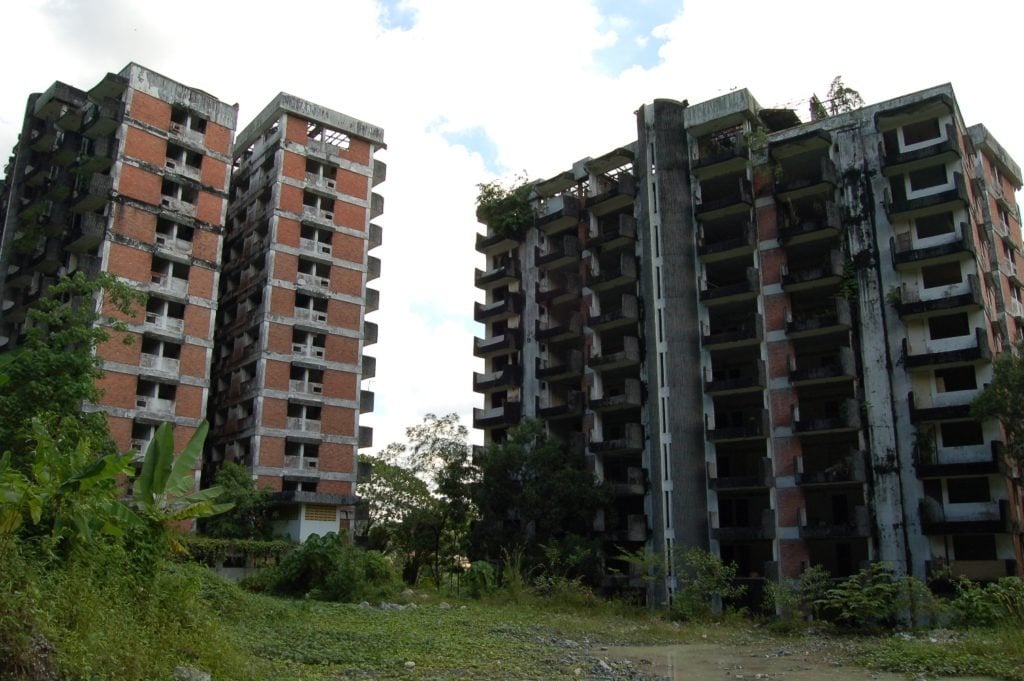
[
  {"x": 255, "y": 317},
  {"x": 131, "y": 178},
  {"x": 291, "y": 325},
  {"x": 766, "y": 334}
]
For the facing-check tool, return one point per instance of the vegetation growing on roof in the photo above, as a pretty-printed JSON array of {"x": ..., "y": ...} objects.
[{"x": 504, "y": 208}]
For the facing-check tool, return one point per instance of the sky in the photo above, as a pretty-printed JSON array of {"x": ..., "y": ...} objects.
[{"x": 470, "y": 91}]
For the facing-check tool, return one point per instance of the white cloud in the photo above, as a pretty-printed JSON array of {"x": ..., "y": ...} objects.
[{"x": 524, "y": 73}]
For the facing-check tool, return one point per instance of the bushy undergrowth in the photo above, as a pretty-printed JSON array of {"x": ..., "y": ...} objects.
[
  {"x": 99, "y": 618},
  {"x": 330, "y": 568}
]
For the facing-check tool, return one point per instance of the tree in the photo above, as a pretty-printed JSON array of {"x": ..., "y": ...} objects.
[
  {"x": 250, "y": 515},
  {"x": 504, "y": 209},
  {"x": 1003, "y": 399},
  {"x": 418, "y": 496},
  {"x": 841, "y": 98},
  {"x": 534, "y": 494},
  {"x": 54, "y": 370},
  {"x": 164, "y": 491}
]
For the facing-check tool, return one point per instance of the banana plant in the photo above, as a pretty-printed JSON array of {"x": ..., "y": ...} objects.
[{"x": 165, "y": 492}]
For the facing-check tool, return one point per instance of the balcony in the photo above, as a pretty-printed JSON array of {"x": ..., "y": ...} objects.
[
  {"x": 719, "y": 154},
  {"x": 948, "y": 462},
  {"x": 372, "y": 300},
  {"x": 991, "y": 517},
  {"x": 507, "y": 377},
  {"x": 911, "y": 252},
  {"x": 158, "y": 322},
  {"x": 1014, "y": 308},
  {"x": 816, "y": 321},
  {"x": 742, "y": 199},
  {"x": 859, "y": 526},
  {"x": 616, "y": 193},
  {"x": 823, "y": 274},
  {"x": 317, "y": 216},
  {"x": 309, "y": 315},
  {"x": 93, "y": 195},
  {"x": 821, "y": 180},
  {"x": 743, "y": 533},
  {"x": 744, "y": 289},
  {"x": 914, "y": 300},
  {"x": 505, "y": 416},
  {"x": 498, "y": 240},
  {"x": 557, "y": 330},
  {"x": 307, "y": 351},
  {"x": 303, "y": 425},
  {"x": 172, "y": 245},
  {"x": 635, "y": 530},
  {"x": 502, "y": 274},
  {"x": 369, "y": 367},
  {"x": 628, "y": 313},
  {"x": 937, "y": 353},
  {"x": 552, "y": 406},
  {"x": 905, "y": 209},
  {"x": 322, "y": 182},
  {"x": 759, "y": 476},
  {"x": 735, "y": 380},
  {"x": 628, "y": 356},
  {"x": 753, "y": 425},
  {"x": 619, "y": 233},
  {"x": 558, "y": 289},
  {"x": 927, "y": 407},
  {"x": 365, "y": 437},
  {"x": 171, "y": 286},
  {"x": 556, "y": 214},
  {"x": 829, "y": 369},
  {"x": 850, "y": 469},
  {"x": 305, "y": 387},
  {"x": 628, "y": 439},
  {"x": 897, "y": 163},
  {"x": 370, "y": 331},
  {"x": 726, "y": 243},
  {"x": 560, "y": 368},
  {"x": 308, "y": 280},
  {"x": 815, "y": 418},
  {"x": 733, "y": 334},
  {"x": 614, "y": 275},
  {"x": 796, "y": 226},
  {"x": 154, "y": 405},
  {"x": 494, "y": 346},
  {"x": 561, "y": 251},
  {"x": 367, "y": 398},
  {"x": 301, "y": 463},
  {"x": 157, "y": 363},
  {"x": 627, "y": 395},
  {"x": 376, "y": 237},
  {"x": 311, "y": 246},
  {"x": 372, "y": 268},
  {"x": 634, "y": 483},
  {"x": 499, "y": 309}
]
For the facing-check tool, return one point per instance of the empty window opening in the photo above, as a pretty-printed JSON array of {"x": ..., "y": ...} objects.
[
  {"x": 934, "y": 225},
  {"x": 968, "y": 490},
  {"x": 955, "y": 378},
  {"x": 961, "y": 433},
  {"x": 925, "y": 178},
  {"x": 173, "y": 191},
  {"x": 320, "y": 133},
  {"x": 182, "y": 118},
  {"x": 943, "y": 274},
  {"x": 159, "y": 348},
  {"x": 949, "y": 326},
  {"x": 922, "y": 131},
  {"x": 179, "y": 158},
  {"x": 974, "y": 547}
]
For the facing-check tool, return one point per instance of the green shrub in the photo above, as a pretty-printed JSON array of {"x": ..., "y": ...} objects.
[
  {"x": 866, "y": 600},
  {"x": 479, "y": 580},
  {"x": 705, "y": 581},
  {"x": 997, "y": 603},
  {"x": 330, "y": 568}
]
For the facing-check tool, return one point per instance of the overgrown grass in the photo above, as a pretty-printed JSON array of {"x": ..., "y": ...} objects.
[{"x": 991, "y": 652}]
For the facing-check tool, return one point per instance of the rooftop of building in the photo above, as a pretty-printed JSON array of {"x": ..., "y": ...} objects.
[{"x": 315, "y": 113}]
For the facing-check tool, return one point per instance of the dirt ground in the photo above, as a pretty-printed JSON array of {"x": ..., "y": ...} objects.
[{"x": 790, "y": 662}]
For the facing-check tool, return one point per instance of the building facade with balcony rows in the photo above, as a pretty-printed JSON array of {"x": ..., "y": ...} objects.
[
  {"x": 766, "y": 335},
  {"x": 132, "y": 178}
]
